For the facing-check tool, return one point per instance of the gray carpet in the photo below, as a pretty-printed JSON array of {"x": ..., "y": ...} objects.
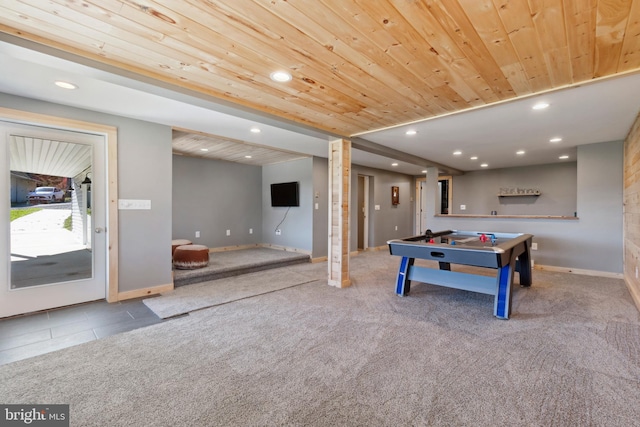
[
  {"x": 234, "y": 262},
  {"x": 222, "y": 291},
  {"x": 320, "y": 356}
]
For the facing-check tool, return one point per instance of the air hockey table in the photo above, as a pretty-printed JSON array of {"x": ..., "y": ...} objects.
[{"x": 504, "y": 252}]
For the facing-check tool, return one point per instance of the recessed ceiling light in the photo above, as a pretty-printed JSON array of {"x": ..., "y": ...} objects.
[
  {"x": 563, "y": 157},
  {"x": 457, "y": 153},
  {"x": 540, "y": 106},
  {"x": 394, "y": 164},
  {"x": 556, "y": 139},
  {"x": 473, "y": 157},
  {"x": 411, "y": 132},
  {"x": 424, "y": 171},
  {"x": 484, "y": 165},
  {"x": 520, "y": 152},
  {"x": 204, "y": 149},
  {"x": 247, "y": 156},
  {"x": 280, "y": 76},
  {"x": 255, "y": 130},
  {"x": 65, "y": 85}
]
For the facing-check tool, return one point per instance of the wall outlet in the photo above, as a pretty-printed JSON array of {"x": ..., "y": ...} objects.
[
  {"x": 396, "y": 228},
  {"x": 197, "y": 234},
  {"x": 463, "y": 207},
  {"x": 377, "y": 207},
  {"x": 228, "y": 232},
  {"x": 251, "y": 231},
  {"x": 317, "y": 206},
  {"x": 278, "y": 232},
  {"x": 534, "y": 246}
]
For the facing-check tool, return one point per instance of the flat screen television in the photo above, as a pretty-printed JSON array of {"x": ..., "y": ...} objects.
[{"x": 285, "y": 194}]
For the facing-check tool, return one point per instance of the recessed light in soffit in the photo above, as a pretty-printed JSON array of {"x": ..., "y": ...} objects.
[{"x": 65, "y": 85}]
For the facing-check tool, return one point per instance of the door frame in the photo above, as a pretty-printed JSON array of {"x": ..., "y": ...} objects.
[
  {"x": 110, "y": 134},
  {"x": 365, "y": 223},
  {"x": 419, "y": 194},
  {"x": 418, "y": 205}
]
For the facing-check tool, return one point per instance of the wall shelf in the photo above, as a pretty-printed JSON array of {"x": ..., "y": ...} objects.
[
  {"x": 518, "y": 192},
  {"x": 554, "y": 217}
]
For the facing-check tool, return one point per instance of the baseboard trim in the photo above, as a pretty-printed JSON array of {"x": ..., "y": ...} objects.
[
  {"x": 259, "y": 245},
  {"x": 319, "y": 259},
  {"x": 285, "y": 248},
  {"x": 579, "y": 271},
  {"x": 369, "y": 249},
  {"x": 144, "y": 292},
  {"x": 234, "y": 248}
]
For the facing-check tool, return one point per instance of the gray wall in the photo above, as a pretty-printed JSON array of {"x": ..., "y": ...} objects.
[
  {"x": 213, "y": 196},
  {"x": 306, "y": 228},
  {"x": 144, "y": 172},
  {"x": 593, "y": 241},
  {"x": 382, "y": 223},
  {"x": 296, "y": 223},
  {"x": 600, "y": 205},
  {"x": 478, "y": 190}
]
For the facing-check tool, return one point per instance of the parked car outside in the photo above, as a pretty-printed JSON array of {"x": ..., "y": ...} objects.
[{"x": 45, "y": 195}]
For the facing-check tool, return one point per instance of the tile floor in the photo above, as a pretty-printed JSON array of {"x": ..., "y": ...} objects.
[{"x": 30, "y": 335}]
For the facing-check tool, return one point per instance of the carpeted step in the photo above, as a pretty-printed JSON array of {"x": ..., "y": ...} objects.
[{"x": 235, "y": 263}]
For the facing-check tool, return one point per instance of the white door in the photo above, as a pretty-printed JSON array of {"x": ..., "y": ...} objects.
[{"x": 56, "y": 254}]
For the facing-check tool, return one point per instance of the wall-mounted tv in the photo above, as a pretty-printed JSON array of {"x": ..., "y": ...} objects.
[{"x": 285, "y": 194}]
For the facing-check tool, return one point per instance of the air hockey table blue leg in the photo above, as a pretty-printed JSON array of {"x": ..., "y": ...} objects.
[
  {"x": 502, "y": 301},
  {"x": 403, "y": 284},
  {"x": 523, "y": 266}
]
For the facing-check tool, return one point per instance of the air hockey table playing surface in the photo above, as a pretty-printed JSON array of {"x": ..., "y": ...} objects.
[{"x": 504, "y": 252}]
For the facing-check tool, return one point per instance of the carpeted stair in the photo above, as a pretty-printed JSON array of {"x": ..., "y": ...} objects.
[{"x": 237, "y": 262}]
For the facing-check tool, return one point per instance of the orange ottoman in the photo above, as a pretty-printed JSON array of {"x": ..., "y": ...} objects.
[
  {"x": 189, "y": 257},
  {"x": 178, "y": 242}
]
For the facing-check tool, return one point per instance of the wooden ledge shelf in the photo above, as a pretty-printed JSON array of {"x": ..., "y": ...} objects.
[{"x": 558, "y": 217}]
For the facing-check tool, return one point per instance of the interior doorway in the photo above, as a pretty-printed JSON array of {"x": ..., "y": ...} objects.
[
  {"x": 363, "y": 212},
  {"x": 442, "y": 202},
  {"x": 421, "y": 206},
  {"x": 52, "y": 241}
]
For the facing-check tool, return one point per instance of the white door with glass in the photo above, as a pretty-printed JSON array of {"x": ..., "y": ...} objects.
[{"x": 52, "y": 215}]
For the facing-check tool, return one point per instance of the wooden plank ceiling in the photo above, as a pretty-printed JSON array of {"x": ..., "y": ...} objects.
[
  {"x": 357, "y": 65},
  {"x": 186, "y": 143}
]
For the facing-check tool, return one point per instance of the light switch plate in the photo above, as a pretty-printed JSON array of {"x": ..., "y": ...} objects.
[{"x": 134, "y": 204}]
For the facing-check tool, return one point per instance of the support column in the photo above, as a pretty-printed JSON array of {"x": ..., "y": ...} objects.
[{"x": 339, "y": 198}]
